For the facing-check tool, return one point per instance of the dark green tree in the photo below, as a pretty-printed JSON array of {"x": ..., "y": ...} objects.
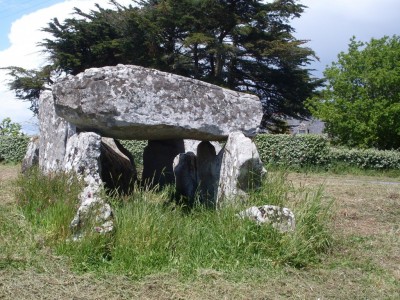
[
  {"x": 242, "y": 45},
  {"x": 28, "y": 84},
  {"x": 361, "y": 101}
]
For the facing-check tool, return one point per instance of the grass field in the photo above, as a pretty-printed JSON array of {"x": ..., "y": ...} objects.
[{"x": 363, "y": 261}]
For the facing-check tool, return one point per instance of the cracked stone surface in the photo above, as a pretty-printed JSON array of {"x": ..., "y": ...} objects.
[{"x": 132, "y": 102}]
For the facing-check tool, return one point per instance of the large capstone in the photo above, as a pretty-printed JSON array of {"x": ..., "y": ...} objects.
[{"x": 132, "y": 102}]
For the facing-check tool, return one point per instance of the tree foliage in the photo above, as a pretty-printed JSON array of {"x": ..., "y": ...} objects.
[
  {"x": 28, "y": 84},
  {"x": 242, "y": 45},
  {"x": 361, "y": 101},
  {"x": 9, "y": 128}
]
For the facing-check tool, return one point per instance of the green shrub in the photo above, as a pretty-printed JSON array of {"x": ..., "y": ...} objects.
[
  {"x": 293, "y": 150},
  {"x": 366, "y": 158},
  {"x": 136, "y": 148},
  {"x": 13, "y": 148}
]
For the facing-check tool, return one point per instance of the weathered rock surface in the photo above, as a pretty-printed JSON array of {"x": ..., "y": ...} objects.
[
  {"x": 186, "y": 182},
  {"x": 118, "y": 170},
  {"x": 83, "y": 158},
  {"x": 158, "y": 158},
  {"x": 54, "y": 132},
  {"x": 191, "y": 146},
  {"x": 208, "y": 169},
  {"x": 31, "y": 157},
  {"x": 222, "y": 178},
  {"x": 131, "y": 102},
  {"x": 280, "y": 218},
  {"x": 241, "y": 168}
]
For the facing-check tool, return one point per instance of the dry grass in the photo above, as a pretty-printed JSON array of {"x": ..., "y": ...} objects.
[{"x": 364, "y": 263}]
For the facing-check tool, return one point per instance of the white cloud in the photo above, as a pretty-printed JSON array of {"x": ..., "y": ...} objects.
[
  {"x": 330, "y": 24},
  {"x": 23, "y": 52}
]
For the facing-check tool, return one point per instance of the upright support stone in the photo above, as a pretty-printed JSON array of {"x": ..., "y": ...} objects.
[
  {"x": 207, "y": 173},
  {"x": 158, "y": 158},
  {"x": 118, "y": 170},
  {"x": 185, "y": 171},
  {"x": 31, "y": 157},
  {"x": 241, "y": 168},
  {"x": 83, "y": 158},
  {"x": 54, "y": 133}
]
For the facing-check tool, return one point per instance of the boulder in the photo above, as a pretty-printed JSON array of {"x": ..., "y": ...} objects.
[
  {"x": 54, "y": 133},
  {"x": 158, "y": 158},
  {"x": 241, "y": 169},
  {"x": 31, "y": 157},
  {"x": 281, "y": 218},
  {"x": 191, "y": 146},
  {"x": 83, "y": 158},
  {"x": 118, "y": 170},
  {"x": 186, "y": 182},
  {"x": 132, "y": 102},
  {"x": 207, "y": 173}
]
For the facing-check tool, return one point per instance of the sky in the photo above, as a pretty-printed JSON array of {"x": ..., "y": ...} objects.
[{"x": 328, "y": 25}]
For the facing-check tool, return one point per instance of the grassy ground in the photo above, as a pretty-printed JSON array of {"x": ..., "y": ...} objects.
[{"x": 364, "y": 261}]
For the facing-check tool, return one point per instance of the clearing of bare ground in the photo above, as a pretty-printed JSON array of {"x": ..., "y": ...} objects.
[{"x": 363, "y": 261}]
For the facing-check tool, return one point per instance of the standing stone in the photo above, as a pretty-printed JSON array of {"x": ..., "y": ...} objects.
[
  {"x": 31, "y": 157},
  {"x": 191, "y": 146},
  {"x": 132, "y": 102},
  {"x": 158, "y": 158},
  {"x": 83, "y": 158},
  {"x": 54, "y": 133},
  {"x": 118, "y": 170},
  {"x": 241, "y": 168},
  {"x": 185, "y": 171},
  {"x": 207, "y": 173}
]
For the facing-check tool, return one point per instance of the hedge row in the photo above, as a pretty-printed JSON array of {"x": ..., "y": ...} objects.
[
  {"x": 314, "y": 150},
  {"x": 136, "y": 148},
  {"x": 280, "y": 149},
  {"x": 13, "y": 148},
  {"x": 293, "y": 150},
  {"x": 367, "y": 158}
]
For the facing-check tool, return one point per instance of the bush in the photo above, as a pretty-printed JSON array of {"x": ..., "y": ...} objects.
[
  {"x": 293, "y": 150},
  {"x": 366, "y": 158},
  {"x": 13, "y": 148},
  {"x": 136, "y": 148}
]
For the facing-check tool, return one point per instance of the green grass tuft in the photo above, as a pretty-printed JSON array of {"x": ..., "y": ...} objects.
[{"x": 154, "y": 235}]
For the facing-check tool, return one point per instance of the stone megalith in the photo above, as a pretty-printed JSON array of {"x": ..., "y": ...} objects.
[
  {"x": 83, "y": 158},
  {"x": 222, "y": 178},
  {"x": 158, "y": 158},
  {"x": 241, "y": 169},
  {"x": 186, "y": 182},
  {"x": 31, "y": 157},
  {"x": 54, "y": 133},
  {"x": 132, "y": 102},
  {"x": 118, "y": 170},
  {"x": 207, "y": 173}
]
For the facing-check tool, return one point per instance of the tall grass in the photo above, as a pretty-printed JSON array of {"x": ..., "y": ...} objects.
[
  {"x": 49, "y": 202},
  {"x": 155, "y": 235}
]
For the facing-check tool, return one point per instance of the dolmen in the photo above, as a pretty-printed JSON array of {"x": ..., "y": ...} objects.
[{"x": 184, "y": 121}]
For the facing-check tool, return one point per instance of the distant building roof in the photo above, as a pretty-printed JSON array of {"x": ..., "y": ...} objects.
[{"x": 312, "y": 126}]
